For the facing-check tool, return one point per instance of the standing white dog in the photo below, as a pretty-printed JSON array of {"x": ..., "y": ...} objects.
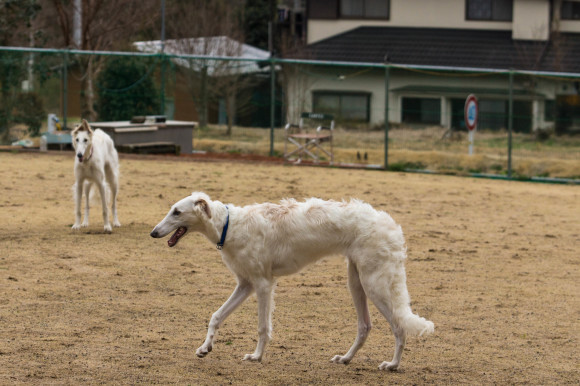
[
  {"x": 263, "y": 241},
  {"x": 96, "y": 162}
]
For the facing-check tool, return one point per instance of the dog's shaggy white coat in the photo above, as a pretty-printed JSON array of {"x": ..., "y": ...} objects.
[
  {"x": 96, "y": 162},
  {"x": 267, "y": 240}
]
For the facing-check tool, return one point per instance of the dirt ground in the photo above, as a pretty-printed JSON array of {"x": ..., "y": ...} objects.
[{"x": 494, "y": 264}]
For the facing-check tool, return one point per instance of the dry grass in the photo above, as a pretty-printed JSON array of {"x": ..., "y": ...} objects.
[
  {"x": 421, "y": 149},
  {"x": 494, "y": 264}
]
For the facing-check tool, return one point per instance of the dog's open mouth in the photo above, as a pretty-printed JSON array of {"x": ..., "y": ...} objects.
[{"x": 176, "y": 236}]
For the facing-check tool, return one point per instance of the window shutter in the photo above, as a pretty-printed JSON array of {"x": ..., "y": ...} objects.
[{"x": 323, "y": 9}]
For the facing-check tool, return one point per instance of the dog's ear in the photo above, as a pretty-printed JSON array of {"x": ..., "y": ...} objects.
[
  {"x": 76, "y": 129},
  {"x": 204, "y": 206},
  {"x": 85, "y": 126}
]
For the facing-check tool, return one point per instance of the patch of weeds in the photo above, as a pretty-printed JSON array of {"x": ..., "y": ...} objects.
[
  {"x": 278, "y": 154},
  {"x": 402, "y": 166}
]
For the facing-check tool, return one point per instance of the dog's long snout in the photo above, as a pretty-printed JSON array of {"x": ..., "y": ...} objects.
[
  {"x": 154, "y": 234},
  {"x": 80, "y": 155}
]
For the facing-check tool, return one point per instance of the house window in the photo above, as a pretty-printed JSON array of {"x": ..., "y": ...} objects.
[
  {"x": 570, "y": 10},
  {"x": 345, "y": 106},
  {"x": 494, "y": 10},
  {"x": 422, "y": 110},
  {"x": 549, "y": 110},
  {"x": 494, "y": 115},
  {"x": 365, "y": 9}
]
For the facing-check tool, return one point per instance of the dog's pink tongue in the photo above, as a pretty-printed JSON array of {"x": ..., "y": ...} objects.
[
  {"x": 176, "y": 236},
  {"x": 173, "y": 240}
]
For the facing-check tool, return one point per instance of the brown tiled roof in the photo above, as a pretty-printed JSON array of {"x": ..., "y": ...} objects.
[{"x": 450, "y": 48}]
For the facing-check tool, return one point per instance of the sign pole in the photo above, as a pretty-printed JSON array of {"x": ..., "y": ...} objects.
[
  {"x": 471, "y": 116},
  {"x": 471, "y": 142}
]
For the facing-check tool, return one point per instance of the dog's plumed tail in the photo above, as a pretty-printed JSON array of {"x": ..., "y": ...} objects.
[{"x": 415, "y": 325}]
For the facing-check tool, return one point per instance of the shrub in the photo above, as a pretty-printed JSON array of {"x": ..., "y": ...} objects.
[
  {"x": 29, "y": 110},
  {"x": 125, "y": 89}
]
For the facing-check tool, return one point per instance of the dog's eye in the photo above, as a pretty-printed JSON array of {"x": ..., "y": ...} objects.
[
  {"x": 176, "y": 212},
  {"x": 85, "y": 140},
  {"x": 77, "y": 139}
]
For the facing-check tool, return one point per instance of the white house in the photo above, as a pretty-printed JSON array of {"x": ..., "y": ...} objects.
[{"x": 439, "y": 52}]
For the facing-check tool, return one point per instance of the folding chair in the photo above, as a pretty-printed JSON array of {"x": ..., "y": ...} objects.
[{"x": 309, "y": 142}]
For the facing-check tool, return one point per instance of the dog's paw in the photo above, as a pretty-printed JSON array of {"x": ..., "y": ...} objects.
[
  {"x": 85, "y": 224},
  {"x": 252, "y": 358},
  {"x": 108, "y": 228},
  {"x": 203, "y": 351},
  {"x": 76, "y": 227},
  {"x": 391, "y": 366},
  {"x": 341, "y": 359},
  {"x": 116, "y": 223}
]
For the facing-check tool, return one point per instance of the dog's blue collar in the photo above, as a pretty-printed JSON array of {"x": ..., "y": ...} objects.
[{"x": 220, "y": 245}]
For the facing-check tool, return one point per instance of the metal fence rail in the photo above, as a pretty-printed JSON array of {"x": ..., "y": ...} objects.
[{"x": 391, "y": 116}]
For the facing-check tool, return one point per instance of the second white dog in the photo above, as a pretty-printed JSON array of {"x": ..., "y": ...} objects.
[
  {"x": 96, "y": 162},
  {"x": 263, "y": 241}
]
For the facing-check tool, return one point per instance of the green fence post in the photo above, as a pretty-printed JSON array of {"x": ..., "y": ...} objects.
[
  {"x": 510, "y": 122},
  {"x": 162, "y": 96},
  {"x": 65, "y": 90},
  {"x": 387, "y": 73},
  {"x": 272, "y": 103}
]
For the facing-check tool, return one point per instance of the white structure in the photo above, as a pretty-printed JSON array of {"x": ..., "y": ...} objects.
[
  {"x": 420, "y": 37},
  {"x": 221, "y": 47}
]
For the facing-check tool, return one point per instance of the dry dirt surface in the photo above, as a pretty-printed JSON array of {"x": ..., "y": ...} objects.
[{"x": 494, "y": 264}]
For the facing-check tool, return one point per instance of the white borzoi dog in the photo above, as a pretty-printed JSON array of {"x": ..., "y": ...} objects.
[
  {"x": 96, "y": 162},
  {"x": 260, "y": 242}
]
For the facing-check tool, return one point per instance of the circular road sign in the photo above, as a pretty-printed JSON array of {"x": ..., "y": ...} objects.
[{"x": 471, "y": 112}]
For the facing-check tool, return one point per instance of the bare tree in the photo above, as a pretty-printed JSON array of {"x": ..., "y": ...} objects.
[
  {"x": 105, "y": 25},
  {"x": 15, "y": 21},
  {"x": 212, "y": 29},
  {"x": 297, "y": 79}
]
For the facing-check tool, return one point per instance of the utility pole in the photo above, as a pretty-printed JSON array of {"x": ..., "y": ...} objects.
[{"x": 77, "y": 23}]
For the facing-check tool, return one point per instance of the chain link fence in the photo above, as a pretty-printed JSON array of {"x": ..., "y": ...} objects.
[{"x": 529, "y": 123}]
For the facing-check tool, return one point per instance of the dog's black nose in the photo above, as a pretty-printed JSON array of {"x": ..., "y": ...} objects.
[
  {"x": 154, "y": 234},
  {"x": 79, "y": 155}
]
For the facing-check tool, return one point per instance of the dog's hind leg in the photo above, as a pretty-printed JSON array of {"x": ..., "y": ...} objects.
[
  {"x": 78, "y": 196},
  {"x": 241, "y": 293},
  {"x": 87, "y": 190},
  {"x": 387, "y": 289},
  {"x": 113, "y": 179},
  {"x": 362, "y": 310},
  {"x": 265, "y": 294}
]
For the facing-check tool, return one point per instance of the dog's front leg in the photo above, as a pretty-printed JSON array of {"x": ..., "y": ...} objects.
[
  {"x": 265, "y": 294},
  {"x": 87, "y": 188},
  {"x": 241, "y": 293},
  {"x": 103, "y": 191},
  {"x": 78, "y": 193}
]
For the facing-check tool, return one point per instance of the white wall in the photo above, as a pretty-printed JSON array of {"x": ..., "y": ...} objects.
[
  {"x": 570, "y": 26},
  {"x": 531, "y": 20},
  {"x": 373, "y": 81},
  {"x": 410, "y": 13}
]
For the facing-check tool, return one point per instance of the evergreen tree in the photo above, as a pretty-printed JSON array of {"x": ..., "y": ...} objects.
[
  {"x": 257, "y": 14},
  {"x": 126, "y": 89}
]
